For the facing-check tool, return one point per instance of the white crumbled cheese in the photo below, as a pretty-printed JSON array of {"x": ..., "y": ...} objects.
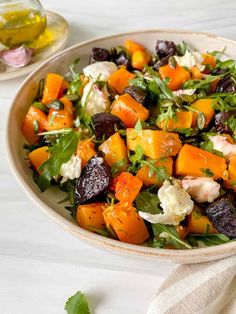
[
  {"x": 188, "y": 92},
  {"x": 201, "y": 189},
  {"x": 221, "y": 144},
  {"x": 100, "y": 69},
  {"x": 71, "y": 169},
  {"x": 175, "y": 202},
  {"x": 190, "y": 59},
  {"x": 93, "y": 99}
]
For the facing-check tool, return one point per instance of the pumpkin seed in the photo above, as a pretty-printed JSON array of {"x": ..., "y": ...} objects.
[
  {"x": 72, "y": 97},
  {"x": 201, "y": 121},
  {"x": 36, "y": 126},
  {"x": 172, "y": 62},
  {"x": 56, "y": 105}
]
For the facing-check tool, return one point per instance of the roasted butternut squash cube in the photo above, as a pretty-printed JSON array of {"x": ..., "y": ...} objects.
[
  {"x": 38, "y": 156},
  {"x": 177, "y": 76},
  {"x": 204, "y": 106},
  {"x": 85, "y": 150},
  {"x": 91, "y": 215},
  {"x": 144, "y": 172},
  {"x": 199, "y": 223},
  {"x": 183, "y": 119},
  {"x": 133, "y": 46},
  {"x": 52, "y": 88},
  {"x": 129, "y": 110},
  {"x": 155, "y": 144},
  {"x": 115, "y": 151},
  {"x": 126, "y": 223},
  {"x": 127, "y": 187},
  {"x": 119, "y": 80},
  {"x": 196, "y": 162}
]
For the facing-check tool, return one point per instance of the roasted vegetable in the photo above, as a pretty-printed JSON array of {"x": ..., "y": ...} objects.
[
  {"x": 132, "y": 46},
  {"x": 139, "y": 94},
  {"x": 38, "y": 156},
  {"x": 140, "y": 58},
  {"x": 115, "y": 151},
  {"x": 91, "y": 216},
  {"x": 196, "y": 162},
  {"x": 98, "y": 55},
  {"x": 226, "y": 85},
  {"x": 222, "y": 214},
  {"x": 127, "y": 187},
  {"x": 209, "y": 59},
  {"x": 121, "y": 58},
  {"x": 183, "y": 119},
  {"x": 165, "y": 48},
  {"x": 129, "y": 110},
  {"x": 123, "y": 219},
  {"x": 199, "y": 223},
  {"x": 119, "y": 80},
  {"x": 95, "y": 179},
  {"x": 154, "y": 144},
  {"x": 176, "y": 75},
  {"x": 52, "y": 87},
  {"x": 85, "y": 150},
  {"x": 35, "y": 121},
  {"x": 221, "y": 119},
  {"x": 204, "y": 106},
  {"x": 106, "y": 124}
]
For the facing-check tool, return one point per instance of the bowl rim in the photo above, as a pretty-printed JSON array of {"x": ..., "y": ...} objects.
[{"x": 216, "y": 252}]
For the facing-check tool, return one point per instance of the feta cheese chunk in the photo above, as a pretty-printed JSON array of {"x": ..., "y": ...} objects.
[
  {"x": 188, "y": 92},
  {"x": 175, "y": 202},
  {"x": 100, "y": 69},
  {"x": 190, "y": 59},
  {"x": 71, "y": 169},
  {"x": 201, "y": 189},
  {"x": 93, "y": 99},
  {"x": 221, "y": 144}
]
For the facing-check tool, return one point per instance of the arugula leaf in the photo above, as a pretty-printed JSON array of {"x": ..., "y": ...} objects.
[
  {"x": 209, "y": 239},
  {"x": 118, "y": 166},
  {"x": 138, "y": 82},
  {"x": 196, "y": 84},
  {"x": 138, "y": 125},
  {"x": 60, "y": 153},
  {"x": 77, "y": 304},
  {"x": 207, "y": 172},
  {"x": 138, "y": 155},
  {"x": 159, "y": 171},
  {"x": 171, "y": 235},
  {"x": 148, "y": 202},
  {"x": 232, "y": 123},
  {"x": 40, "y": 106}
]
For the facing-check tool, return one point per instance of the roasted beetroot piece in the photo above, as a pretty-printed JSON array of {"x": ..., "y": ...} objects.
[
  {"x": 139, "y": 94},
  {"x": 222, "y": 214},
  {"x": 95, "y": 179},
  {"x": 98, "y": 55},
  {"x": 226, "y": 85},
  {"x": 120, "y": 57},
  {"x": 221, "y": 121},
  {"x": 105, "y": 124},
  {"x": 161, "y": 63},
  {"x": 165, "y": 48}
]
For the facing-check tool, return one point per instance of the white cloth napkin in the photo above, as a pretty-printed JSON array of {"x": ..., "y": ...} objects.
[{"x": 206, "y": 288}]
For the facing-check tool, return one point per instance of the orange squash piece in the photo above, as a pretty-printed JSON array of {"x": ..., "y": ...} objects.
[
  {"x": 34, "y": 114},
  {"x": 231, "y": 182},
  {"x": 59, "y": 119},
  {"x": 139, "y": 59},
  {"x": 91, "y": 215},
  {"x": 155, "y": 144},
  {"x": 52, "y": 88},
  {"x": 129, "y": 110},
  {"x": 127, "y": 187},
  {"x": 196, "y": 162},
  {"x": 204, "y": 106},
  {"x": 85, "y": 150},
  {"x": 199, "y": 223},
  {"x": 182, "y": 231},
  {"x": 126, "y": 223},
  {"x": 115, "y": 150},
  {"x": 184, "y": 119},
  {"x": 144, "y": 172},
  {"x": 38, "y": 156},
  {"x": 209, "y": 59},
  {"x": 177, "y": 76},
  {"x": 119, "y": 80},
  {"x": 132, "y": 46},
  {"x": 196, "y": 73}
]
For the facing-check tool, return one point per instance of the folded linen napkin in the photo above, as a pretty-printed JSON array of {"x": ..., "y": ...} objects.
[{"x": 206, "y": 288}]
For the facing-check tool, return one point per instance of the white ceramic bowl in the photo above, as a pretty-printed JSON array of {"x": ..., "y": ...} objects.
[{"x": 48, "y": 201}]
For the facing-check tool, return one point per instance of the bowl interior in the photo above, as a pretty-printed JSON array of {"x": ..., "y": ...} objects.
[{"x": 48, "y": 201}]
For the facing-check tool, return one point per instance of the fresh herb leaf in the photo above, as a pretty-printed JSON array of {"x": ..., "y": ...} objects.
[
  {"x": 39, "y": 106},
  {"x": 148, "y": 202},
  {"x": 77, "y": 304},
  {"x": 171, "y": 235},
  {"x": 209, "y": 239},
  {"x": 208, "y": 146},
  {"x": 60, "y": 153},
  {"x": 232, "y": 123},
  {"x": 138, "y": 126},
  {"x": 207, "y": 172},
  {"x": 118, "y": 167},
  {"x": 73, "y": 67},
  {"x": 159, "y": 171},
  {"x": 138, "y": 82},
  {"x": 182, "y": 48},
  {"x": 196, "y": 84}
]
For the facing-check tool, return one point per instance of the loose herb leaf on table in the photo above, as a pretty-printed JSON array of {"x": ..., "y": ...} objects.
[{"x": 77, "y": 304}]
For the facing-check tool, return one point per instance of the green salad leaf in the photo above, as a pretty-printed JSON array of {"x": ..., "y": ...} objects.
[
  {"x": 77, "y": 304},
  {"x": 60, "y": 153},
  {"x": 148, "y": 202}
]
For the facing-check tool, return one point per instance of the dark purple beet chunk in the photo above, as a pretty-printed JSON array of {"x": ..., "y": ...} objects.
[
  {"x": 139, "y": 94},
  {"x": 95, "y": 179},
  {"x": 222, "y": 214},
  {"x": 220, "y": 121},
  {"x": 226, "y": 85},
  {"x": 122, "y": 59},
  {"x": 99, "y": 54},
  {"x": 105, "y": 124},
  {"x": 161, "y": 63},
  {"x": 165, "y": 48}
]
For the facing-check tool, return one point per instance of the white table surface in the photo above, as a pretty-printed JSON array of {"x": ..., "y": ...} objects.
[{"x": 41, "y": 265}]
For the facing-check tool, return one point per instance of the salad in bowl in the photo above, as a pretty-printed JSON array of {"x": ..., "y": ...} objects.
[{"x": 142, "y": 143}]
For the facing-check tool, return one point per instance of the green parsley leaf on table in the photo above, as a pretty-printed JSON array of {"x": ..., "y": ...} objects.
[
  {"x": 61, "y": 153},
  {"x": 77, "y": 304}
]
